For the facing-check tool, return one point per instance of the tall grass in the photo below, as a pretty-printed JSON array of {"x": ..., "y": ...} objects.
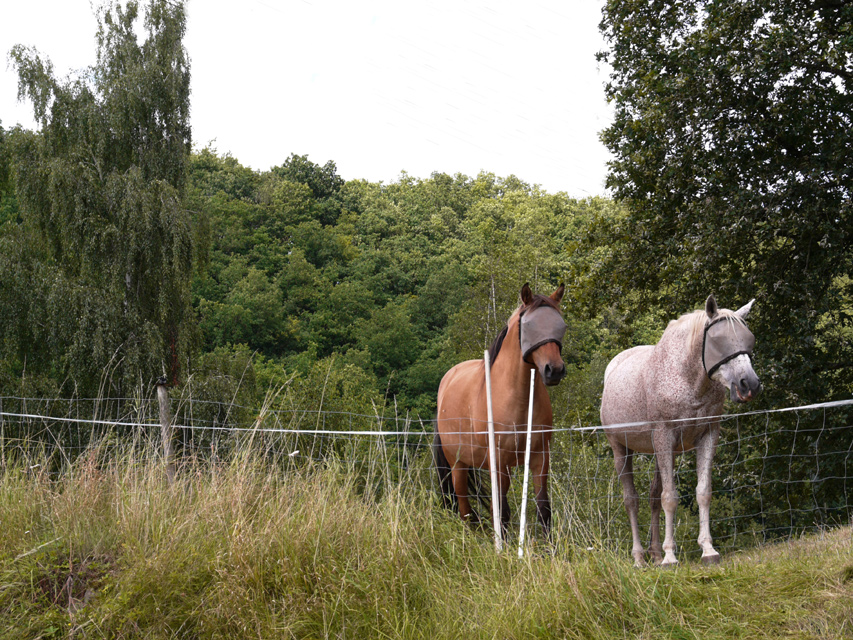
[{"x": 250, "y": 547}]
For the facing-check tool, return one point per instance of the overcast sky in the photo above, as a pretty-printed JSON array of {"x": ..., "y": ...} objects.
[{"x": 377, "y": 86}]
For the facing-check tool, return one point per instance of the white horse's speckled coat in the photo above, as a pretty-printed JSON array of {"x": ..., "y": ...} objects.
[{"x": 657, "y": 385}]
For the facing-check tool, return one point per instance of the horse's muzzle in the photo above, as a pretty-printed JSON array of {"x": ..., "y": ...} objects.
[
  {"x": 552, "y": 375},
  {"x": 745, "y": 389}
]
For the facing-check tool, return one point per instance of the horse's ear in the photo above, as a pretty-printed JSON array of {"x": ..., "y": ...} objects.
[
  {"x": 711, "y": 307},
  {"x": 558, "y": 294},
  {"x": 526, "y": 294},
  {"x": 744, "y": 310}
]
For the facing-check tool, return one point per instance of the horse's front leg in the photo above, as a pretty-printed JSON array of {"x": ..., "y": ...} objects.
[
  {"x": 459, "y": 475},
  {"x": 705, "y": 449},
  {"x": 539, "y": 467},
  {"x": 664, "y": 446}
]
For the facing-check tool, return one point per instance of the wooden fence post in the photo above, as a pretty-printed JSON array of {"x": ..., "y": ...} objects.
[{"x": 166, "y": 431}]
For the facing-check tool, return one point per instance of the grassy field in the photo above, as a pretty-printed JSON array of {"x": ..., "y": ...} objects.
[{"x": 243, "y": 550}]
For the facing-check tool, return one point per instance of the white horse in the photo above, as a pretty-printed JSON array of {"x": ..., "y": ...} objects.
[{"x": 685, "y": 375}]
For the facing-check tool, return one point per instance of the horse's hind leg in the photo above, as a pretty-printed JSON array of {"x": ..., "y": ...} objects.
[
  {"x": 442, "y": 467},
  {"x": 623, "y": 459},
  {"x": 459, "y": 474}
]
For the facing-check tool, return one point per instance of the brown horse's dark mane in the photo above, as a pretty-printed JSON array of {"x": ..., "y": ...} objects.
[{"x": 538, "y": 301}]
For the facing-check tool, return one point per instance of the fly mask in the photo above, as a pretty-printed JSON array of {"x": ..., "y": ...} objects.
[
  {"x": 541, "y": 326},
  {"x": 725, "y": 339}
]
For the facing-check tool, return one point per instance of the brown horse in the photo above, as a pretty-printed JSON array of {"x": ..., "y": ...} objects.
[{"x": 531, "y": 339}]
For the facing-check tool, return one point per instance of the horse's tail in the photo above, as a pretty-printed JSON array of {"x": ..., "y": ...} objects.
[{"x": 442, "y": 466}]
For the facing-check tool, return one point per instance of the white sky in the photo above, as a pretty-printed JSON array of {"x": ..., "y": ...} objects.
[{"x": 377, "y": 86}]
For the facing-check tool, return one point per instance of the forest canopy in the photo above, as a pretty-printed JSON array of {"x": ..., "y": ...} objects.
[{"x": 127, "y": 254}]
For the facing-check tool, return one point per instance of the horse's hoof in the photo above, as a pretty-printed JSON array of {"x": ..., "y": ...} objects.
[
  {"x": 669, "y": 563},
  {"x": 711, "y": 559}
]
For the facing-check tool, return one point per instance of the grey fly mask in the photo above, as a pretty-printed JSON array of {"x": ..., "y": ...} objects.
[
  {"x": 541, "y": 326},
  {"x": 725, "y": 339}
]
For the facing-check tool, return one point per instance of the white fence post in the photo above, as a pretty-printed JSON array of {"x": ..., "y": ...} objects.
[
  {"x": 493, "y": 462},
  {"x": 523, "y": 522}
]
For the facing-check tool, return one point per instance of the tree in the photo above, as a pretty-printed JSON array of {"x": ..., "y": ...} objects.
[
  {"x": 733, "y": 153},
  {"x": 209, "y": 174},
  {"x": 324, "y": 182},
  {"x": 102, "y": 186}
]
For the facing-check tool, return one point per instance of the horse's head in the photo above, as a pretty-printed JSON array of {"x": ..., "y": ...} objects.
[
  {"x": 727, "y": 350},
  {"x": 541, "y": 330}
]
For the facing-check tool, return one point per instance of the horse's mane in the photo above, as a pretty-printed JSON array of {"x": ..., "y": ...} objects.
[
  {"x": 495, "y": 348},
  {"x": 538, "y": 301},
  {"x": 695, "y": 323}
]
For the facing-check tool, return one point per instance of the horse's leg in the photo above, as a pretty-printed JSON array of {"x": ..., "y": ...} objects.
[
  {"x": 539, "y": 463},
  {"x": 623, "y": 459},
  {"x": 705, "y": 449},
  {"x": 655, "y": 548},
  {"x": 503, "y": 489},
  {"x": 459, "y": 474},
  {"x": 664, "y": 446}
]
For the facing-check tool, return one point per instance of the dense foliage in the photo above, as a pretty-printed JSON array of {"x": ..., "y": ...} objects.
[
  {"x": 731, "y": 154},
  {"x": 396, "y": 282},
  {"x": 126, "y": 257}
]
